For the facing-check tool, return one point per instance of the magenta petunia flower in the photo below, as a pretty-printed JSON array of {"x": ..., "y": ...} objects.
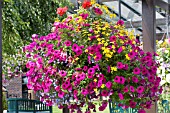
[
  {"x": 85, "y": 68},
  {"x": 57, "y": 88},
  {"x": 98, "y": 11},
  {"x": 148, "y": 105},
  {"x": 140, "y": 89},
  {"x": 92, "y": 37},
  {"x": 90, "y": 75},
  {"x": 135, "y": 79},
  {"x": 154, "y": 69},
  {"x": 109, "y": 85},
  {"x": 104, "y": 93},
  {"x": 151, "y": 78},
  {"x": 91, "y": 71},
  {"x": 75, "y": 92},
  {"x": 112, "y": 38},
  {"x": 75, "y": 47},
  {"x": 108, "y": 69},
  {"x": 120, "y": 22},
  {"x": 132, "y": 104},
  {"x": 84, "y": 15},
  {"x": 62, "y": 73},
  {"x": 125, "y": 89},
  {"x": 79, "y": 51},
  {"x": 61, "y": 94},
  {"x": 117, "y": 79},
  {"x": 136, "y": 71},
  {"x": 154, "y": 89},
  {"x": 84, "y": 92},
  {"x": 132, "y": 89},
  {"x": 125, "y": 67},
  {"x": 144, "y": 71},
  {"x": 120, "y": 65},
  {"x": 132, "y": 54},
  {"x": 67, "y": 43},
  {"x": 99, "y": 84},
  {"x": 122, "y": 80},
  {"x": 119, "y": 50},
  {"x": 98, "y": 57},
  {"x": 121, "y": 97}
]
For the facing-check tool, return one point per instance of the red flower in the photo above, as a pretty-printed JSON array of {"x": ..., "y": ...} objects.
[
  {"x": 86, "y": 4},
  {"x": 61, "y": 11}
]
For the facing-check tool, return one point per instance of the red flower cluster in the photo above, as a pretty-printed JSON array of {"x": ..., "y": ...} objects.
[
  {"x": 61, "y": 11},
  {"x": 86, "y": 4}
]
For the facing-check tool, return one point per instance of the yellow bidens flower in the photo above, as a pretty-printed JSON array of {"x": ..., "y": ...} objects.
[
  {"x": 103, "y": 85},
  {"x": 95, "y": 90},
  {"x": 114, "y": 68},
  {"x": 95, "y": 80},
  {"x": 93, "y": 2},
  {"x": 127, "y": 57}
]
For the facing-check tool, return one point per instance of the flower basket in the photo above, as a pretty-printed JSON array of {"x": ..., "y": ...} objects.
[{"x": 87, "y": 61}]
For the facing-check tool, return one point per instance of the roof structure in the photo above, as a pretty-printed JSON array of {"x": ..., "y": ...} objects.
[{"x": 131, "y": 12}]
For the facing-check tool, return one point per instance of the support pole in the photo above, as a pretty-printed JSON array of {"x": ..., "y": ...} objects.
[
  {"x": 149, "y": 32},
  {"x": 1, "y": 104},
  {"x": 119, "y": 7}
]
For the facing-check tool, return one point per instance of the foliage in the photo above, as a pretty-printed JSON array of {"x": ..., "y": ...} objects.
[
  {"x": 5, "y": 106},
  {"x": 86, "y": 58},
  {"x": 22, "y": 18}
]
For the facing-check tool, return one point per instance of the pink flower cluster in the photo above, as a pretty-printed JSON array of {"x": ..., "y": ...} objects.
[{"x": 75, "y": 65}]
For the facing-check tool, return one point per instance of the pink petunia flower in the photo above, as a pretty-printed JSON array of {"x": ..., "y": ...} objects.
[
  {"x": 84, "y": 15},
  {"x": 104, "y": 93},
  {"x": 91, "y": 71},
  {"x": 109, "y": 85},
  {"x": 120, "y": 65},
  {"x": 136, "y": 71},
  {"x": 120, "y": 22},
  {"x": 132, "y": 89},
  {"x": 135, "y": 79},
  {"x": 62, "y": 73},
  {"x": 61, "y": 94},
  {"x": 112, "y": 38},
  {"x": 125, "y": 90},
  {"x": 132, "y": 54},
  {"x": 117, "y": 79},
  {"x": 140, "y": 89},
  {"x": 121, "y": 97},
  {"x": 119, "y": 50},
  {"x": 132, "y": 104},
  {"x": 67, "y": 43}
]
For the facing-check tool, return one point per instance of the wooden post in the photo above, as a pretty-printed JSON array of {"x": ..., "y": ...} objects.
[
  {"x": 65, "y": 110},
  {"x": 149, "y": 32}
]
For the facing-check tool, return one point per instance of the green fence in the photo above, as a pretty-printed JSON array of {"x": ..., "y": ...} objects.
[{"x": 25, "y": 105}]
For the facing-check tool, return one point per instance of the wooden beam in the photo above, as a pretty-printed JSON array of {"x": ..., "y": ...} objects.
[
  {"x": 149, "y": 32},
  {"x": 164, "y": 5},
  {"x": 137, "y": 24}
]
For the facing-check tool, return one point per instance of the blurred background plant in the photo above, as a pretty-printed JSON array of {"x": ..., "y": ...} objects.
[{"x": 21, "y": 19}]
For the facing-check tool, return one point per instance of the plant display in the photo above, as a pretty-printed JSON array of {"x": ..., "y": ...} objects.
[
  {"x": 163, "y": 49},
  {"x": 86, "y": 58}
]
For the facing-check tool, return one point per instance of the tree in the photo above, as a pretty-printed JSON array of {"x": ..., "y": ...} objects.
[{"x": 22, "y": 18}]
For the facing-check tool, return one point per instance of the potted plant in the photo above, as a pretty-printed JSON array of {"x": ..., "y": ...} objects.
[{"x": 86, "y": 58}]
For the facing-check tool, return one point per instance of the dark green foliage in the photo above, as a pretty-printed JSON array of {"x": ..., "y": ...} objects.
[{"x": 22, "y": 18}]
